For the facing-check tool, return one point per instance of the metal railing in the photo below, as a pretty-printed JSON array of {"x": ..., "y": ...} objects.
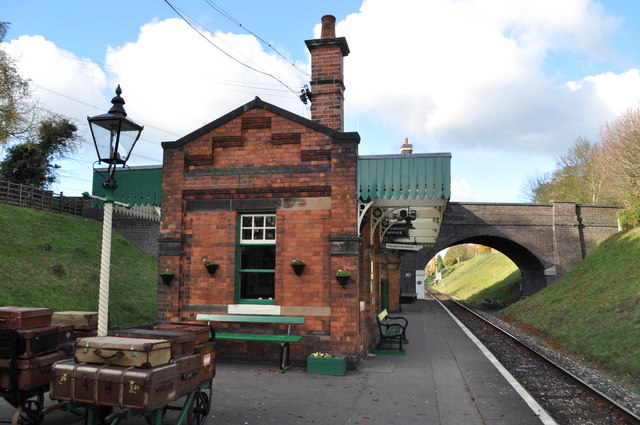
[{"x": 47, "y": 200}]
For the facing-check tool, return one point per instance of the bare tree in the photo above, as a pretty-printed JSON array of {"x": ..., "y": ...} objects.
[{"x": 620, "y": 157}]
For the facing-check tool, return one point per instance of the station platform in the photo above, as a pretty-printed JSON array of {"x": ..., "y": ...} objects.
[{"x": 444, "y": 379}]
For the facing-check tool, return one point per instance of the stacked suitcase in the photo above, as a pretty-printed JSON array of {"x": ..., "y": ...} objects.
[
  {"x": 29, "y": 346},
  {"x": 134, "y": 368}
]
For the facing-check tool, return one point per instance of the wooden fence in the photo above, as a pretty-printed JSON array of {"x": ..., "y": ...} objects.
[{"x": 26, "y": 196}]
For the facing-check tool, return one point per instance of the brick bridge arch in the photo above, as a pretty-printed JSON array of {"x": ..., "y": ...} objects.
[{"x": 545, "y": 241}]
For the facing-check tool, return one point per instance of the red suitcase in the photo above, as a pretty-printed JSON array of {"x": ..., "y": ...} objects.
[
  {"x": 202, "y": 332},
  {"x": 182, "y": 343},
  {"x": 24, "y": 317},
  {"x": 31, "y": 373}
]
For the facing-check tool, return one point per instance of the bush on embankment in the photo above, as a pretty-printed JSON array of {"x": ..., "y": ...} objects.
[{"x": 53, "y": 260}]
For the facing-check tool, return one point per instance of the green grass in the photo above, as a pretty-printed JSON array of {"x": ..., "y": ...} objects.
[
  {"x": 593, "y": 312},
  {"x": 491, "y": 276},
  {"x": 53, "y": 260}
]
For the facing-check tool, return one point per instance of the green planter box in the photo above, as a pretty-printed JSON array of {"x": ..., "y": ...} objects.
[{"x": 334, "y": 365}]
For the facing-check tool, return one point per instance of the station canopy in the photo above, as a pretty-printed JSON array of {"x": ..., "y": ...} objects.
[{"x": 407, "y": 195}]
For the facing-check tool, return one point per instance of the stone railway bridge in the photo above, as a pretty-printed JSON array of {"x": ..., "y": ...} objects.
[{"x": 544, "y": 241}]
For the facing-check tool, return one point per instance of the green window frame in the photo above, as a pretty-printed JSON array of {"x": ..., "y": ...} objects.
[{"x": 256, "y": 259}]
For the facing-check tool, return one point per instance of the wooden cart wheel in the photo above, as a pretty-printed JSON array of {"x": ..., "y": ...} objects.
[
  {"x": 199, "y": 409},
  {"x": 28, "y": 413}
]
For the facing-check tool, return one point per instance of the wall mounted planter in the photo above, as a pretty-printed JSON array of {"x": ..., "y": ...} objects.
[
  {"x": 166, "y": 278},
  {"x": 211, "y": 268},
  {"x": 298, "y": 268},
  {"x": 343, "y": 280},
  {"x": 334, "y": 365}
]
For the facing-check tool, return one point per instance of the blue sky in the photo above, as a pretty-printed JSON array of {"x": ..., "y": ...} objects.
[{"x": 505, "y": 86}]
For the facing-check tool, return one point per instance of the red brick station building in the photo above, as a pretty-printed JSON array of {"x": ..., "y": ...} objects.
[{"x": 261, "y": 186}]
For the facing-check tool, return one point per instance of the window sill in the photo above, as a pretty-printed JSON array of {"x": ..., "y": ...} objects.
[{"x": 253, "y": 309}]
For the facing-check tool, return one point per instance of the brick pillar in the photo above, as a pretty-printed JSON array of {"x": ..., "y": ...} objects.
[
  {"x": 327, "y": 76},
  {"x": 567, "y": 242}
]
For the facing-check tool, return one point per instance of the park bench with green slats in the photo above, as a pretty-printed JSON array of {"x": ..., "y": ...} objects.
[
  {"x": 392, "y": 329},
  {"x": 284, "y": 340}
]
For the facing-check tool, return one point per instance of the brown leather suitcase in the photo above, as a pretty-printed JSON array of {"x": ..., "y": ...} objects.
[
  {"x": 24, "y": 317},
  {"x": 81, "y": 320},
  {"x": 137, "y": 352},
  {"x": 182, "y": 343},
  {"x": 207, "y": 352},
  {"x": 190, "y": 373},
  {"x": 65, "y": 333},
  {"x": 109, "y": 385},
  {"x": 202, "y": 332},
  {"x": 32, "y": 373},
  {"x": 35, "y": 341}
]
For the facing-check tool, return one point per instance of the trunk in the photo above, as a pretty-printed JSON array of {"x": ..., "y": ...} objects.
[
  {"x": 30, "y": 373},
  {"x": 190, "y": 373},
  {"x": 202, "y": 332},
  {"x": 137, "y": 352},
  {"x": 182, "y": 343},
  {"x": 81, "y": 320},
  {"x": 24, "y": 317},
  {"x": 28, "y": 342},
  {"x": 108, "y": 385},
  {"x": 207, "y": 352}
]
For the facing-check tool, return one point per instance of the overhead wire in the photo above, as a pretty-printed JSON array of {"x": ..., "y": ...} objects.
[
  {"x": 227, "y": 15},
  {"x": 208, "y": 40}
]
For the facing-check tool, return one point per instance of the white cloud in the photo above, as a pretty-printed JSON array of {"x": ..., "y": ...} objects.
[
  {"x": 471, "y": 74},
  {"x": 462, "y": 191}
]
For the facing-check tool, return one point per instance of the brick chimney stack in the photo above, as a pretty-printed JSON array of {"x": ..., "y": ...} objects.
[
  {"x": 407, "y": 148},
  {"x": 327, "y": 75}
]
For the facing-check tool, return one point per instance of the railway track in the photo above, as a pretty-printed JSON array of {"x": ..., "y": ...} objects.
[{"x": 568, "y": 399}]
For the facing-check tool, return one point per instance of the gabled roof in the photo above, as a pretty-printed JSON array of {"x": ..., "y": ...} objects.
[{"x": 259, "y": 103}]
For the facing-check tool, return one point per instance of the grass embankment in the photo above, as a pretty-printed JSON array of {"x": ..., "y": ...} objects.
[
  {"x": 489, "y": 276},
  {"x": 593, "y": 312},
  {"x": 53, "y": 260}
]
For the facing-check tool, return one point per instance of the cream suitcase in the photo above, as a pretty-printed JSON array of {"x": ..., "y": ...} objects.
[{"x": 136, "y": 352}]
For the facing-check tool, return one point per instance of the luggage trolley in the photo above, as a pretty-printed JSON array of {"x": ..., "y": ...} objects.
[{"x": 115, "y": 390}]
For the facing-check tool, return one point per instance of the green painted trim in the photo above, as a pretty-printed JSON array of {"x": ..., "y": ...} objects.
[
  {"x": 401, "y": 353},
  {"x": 249, "y": 318},
  {"x": 224, "y": 336}
]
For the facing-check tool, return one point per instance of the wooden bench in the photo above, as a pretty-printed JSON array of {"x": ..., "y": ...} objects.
[
  {"x": 392, "y": 329},
  {"x": 284, "y": 340}
]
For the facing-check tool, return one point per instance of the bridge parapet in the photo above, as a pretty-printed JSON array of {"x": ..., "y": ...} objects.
[{"x": 545, "y": 241}]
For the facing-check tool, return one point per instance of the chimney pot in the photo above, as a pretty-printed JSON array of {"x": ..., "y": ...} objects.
[{"x": 328, "y": 27}]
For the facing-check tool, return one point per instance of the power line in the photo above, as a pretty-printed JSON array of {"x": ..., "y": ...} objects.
[
  {"x": 247, "y": 30},
  {"x": 227, "y": 54}
]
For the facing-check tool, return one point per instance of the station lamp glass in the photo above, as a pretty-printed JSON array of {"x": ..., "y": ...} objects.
[{"x": 114, "y": 136}]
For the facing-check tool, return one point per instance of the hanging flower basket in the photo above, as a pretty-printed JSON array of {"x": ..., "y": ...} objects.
[
  {"x": 343, "y": 280},
  {"x": 298, "y": 266},
  {"x": 166, "y": 277},
  {"x": 211, "y": 266},
  {"x": 343, "y": 276}
]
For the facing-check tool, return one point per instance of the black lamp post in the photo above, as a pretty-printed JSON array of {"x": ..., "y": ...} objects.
[{"x": 114, "y": 136}]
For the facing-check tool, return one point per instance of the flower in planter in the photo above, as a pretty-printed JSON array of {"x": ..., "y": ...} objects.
[
  {"x": 296, "y": 262},
  {"x": 166, "y": 272},
  {"x": 209, "y": 262},
  {"x": 319, "y": 354},
  {"x": 343, "y": 273}
]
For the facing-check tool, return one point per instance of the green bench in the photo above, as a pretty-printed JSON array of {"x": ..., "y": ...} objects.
[
  {"x": 284, "y": 340},
  {"x": 392, "y": 330}
]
